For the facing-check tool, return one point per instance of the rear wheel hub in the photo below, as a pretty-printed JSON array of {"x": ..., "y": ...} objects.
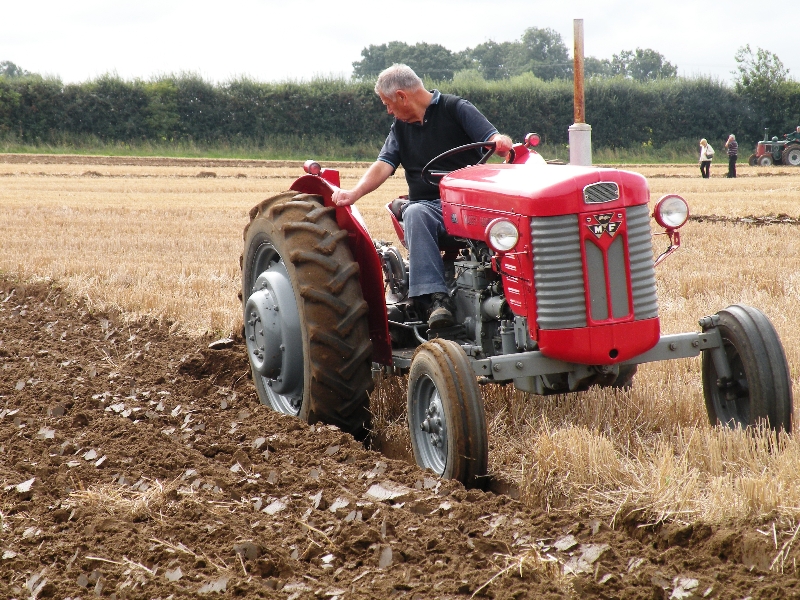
[{"x": 272, "y": 332}]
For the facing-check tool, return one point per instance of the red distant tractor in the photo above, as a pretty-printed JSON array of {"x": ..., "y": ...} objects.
[
  {"x": 776, "y": 152},
  {"x": 553, "y": 280}
]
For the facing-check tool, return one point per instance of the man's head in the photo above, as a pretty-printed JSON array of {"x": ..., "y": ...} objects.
[
  {"x": 397, "y": 77},
  {"x": 732, "y": 138},
  {"x": 402, "y": 93}
]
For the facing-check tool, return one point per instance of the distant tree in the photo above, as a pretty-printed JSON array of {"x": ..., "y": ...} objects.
[
  {"x": 9, "y": 69},
  {"x": 432, "y": 61},
  {"x": 492, "y": 59},
  {"x": 597, "y": 67},
  {"x": 764, "y": 81},
  {"x": 761, "y": 71},
  {"x": 541, "y": 52},
  {"x": 642, "y": 65}
]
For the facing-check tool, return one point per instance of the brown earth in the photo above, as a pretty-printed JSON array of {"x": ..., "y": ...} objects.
[{"x": 139, "y": 464}]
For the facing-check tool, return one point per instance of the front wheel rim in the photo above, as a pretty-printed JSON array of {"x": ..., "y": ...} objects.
[
  {"x": 429, "y": 426},
  {"x": 732, "y": 402}
]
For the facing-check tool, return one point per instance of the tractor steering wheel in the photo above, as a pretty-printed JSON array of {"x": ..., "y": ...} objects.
[{"x": 428, "y": 174}]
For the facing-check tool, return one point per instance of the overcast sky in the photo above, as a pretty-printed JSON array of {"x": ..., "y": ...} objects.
[{"x": 271, "y": 40}]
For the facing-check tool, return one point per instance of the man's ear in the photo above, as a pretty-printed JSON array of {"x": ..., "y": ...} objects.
[{"x": 401, "y": 95}]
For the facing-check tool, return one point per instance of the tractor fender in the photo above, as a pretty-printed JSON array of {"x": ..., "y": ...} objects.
[{"x": 369, "y": 263}]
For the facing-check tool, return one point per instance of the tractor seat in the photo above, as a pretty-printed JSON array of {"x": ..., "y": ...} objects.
[{"x": 446, "y": 242}]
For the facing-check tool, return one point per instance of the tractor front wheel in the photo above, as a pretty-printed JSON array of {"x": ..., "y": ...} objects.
[
  {"x": 791, "y": 156},
  {"x": 753, "y": 160},
  {"x": 445, "y": 413},
  {"x": 765, "y": 160},
  {"x": 305, "y": 318},
  {"x": 760, "y": 388}
]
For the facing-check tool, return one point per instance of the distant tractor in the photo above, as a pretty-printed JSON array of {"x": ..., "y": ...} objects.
[{"x": 777, "y": 152}]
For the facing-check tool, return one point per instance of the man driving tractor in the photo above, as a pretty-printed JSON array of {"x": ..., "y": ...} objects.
[{"x": 426, "y": 124}]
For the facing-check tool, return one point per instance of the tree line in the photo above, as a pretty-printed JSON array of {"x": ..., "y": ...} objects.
[
  {"x": 625, "y": 111},
  {"x": 540, "y": 51}
]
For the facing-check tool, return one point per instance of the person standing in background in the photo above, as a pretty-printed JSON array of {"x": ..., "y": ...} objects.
[
  {"x": 706, "y": 153},
  {"x": 733, "y": 154}
]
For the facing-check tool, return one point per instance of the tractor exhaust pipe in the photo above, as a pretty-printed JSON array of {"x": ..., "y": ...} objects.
[{"x": 580, "y": 133}]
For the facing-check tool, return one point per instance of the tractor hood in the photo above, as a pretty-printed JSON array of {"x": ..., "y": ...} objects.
[{"x": 537, "y": 189}]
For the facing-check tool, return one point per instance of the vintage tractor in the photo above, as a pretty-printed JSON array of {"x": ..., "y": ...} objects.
[
  {"x": 776, "y": 152},
  {"x": 553, "y": 280}
]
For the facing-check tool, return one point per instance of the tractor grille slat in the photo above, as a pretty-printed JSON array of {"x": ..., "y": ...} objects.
[
  {"x": 558, "y": 272},
  {"x": 643, "y": 273}
]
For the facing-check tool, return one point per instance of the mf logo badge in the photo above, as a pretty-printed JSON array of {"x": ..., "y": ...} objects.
[{"x": 604, "y": 223}]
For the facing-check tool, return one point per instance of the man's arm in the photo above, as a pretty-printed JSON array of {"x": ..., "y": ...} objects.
[{"x": 377, "y": 173}]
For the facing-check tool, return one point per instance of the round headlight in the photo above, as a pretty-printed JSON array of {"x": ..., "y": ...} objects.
[
  {"x": 501, "y": 235},
  {"x": 532, "y": 139},
  {"x": 671, "y": 212}
]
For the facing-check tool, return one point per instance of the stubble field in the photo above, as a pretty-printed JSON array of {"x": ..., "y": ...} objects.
[{"x": 154, "y": 244}]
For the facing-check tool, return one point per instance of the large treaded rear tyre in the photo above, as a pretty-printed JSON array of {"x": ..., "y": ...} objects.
[
  {"x": 446, "y": 417},
  {"x": 761, "y": 387},
  {"x": 791, "y": 156},
  {"x": 305, "y": 317}
]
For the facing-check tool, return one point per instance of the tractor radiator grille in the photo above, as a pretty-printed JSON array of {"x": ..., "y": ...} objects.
[
  {"x": 643, "y": 272},
  {"x": 558, "y": 272},
  {"x": 604, "y": 191}
]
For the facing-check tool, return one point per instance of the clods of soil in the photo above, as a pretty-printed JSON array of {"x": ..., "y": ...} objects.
[{"x": 139, "y": 464}]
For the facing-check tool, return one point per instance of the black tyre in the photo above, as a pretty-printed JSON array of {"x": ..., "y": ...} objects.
[
  {"x": 765, "y": 160},
  {"x": 753, "y": 160},
  {"x": 305, "y": 317},
  {"x": 761, "y": 388},
  {"x": 791, "y": 156},
  {"x": 446, "y": 415}
]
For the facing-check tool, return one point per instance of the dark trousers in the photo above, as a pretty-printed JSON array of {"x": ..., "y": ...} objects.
[
  {"x": 705, "y": 168},
  {"x": 732, "y": 165}
]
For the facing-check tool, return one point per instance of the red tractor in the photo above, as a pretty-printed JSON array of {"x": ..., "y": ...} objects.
[
  {"x": 776, "y": 152},
  {"x": 553, "y": 280}
]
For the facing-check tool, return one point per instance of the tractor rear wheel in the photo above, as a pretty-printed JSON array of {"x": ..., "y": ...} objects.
[
  {"x": 753, "y": 160},
  {"x": 305, "y": 317},
  {"x": 445, "y": 413},
  {"x": 791, "y": 156},
  {"x": 765, "y": 160},
  {"x": 760, "y": 389}
]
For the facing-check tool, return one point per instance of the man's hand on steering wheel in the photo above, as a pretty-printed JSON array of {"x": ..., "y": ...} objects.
[{"x": 503, "y": 144}]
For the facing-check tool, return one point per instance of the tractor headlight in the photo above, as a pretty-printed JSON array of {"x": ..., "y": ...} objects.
[
  {"x": 671, "y": 212},
  {"x": 502, "y": 235}
]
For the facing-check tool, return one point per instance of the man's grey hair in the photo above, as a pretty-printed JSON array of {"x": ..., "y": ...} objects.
[
  {"x": 397, "y": 77},
  {"x": 732, "y": 137}
]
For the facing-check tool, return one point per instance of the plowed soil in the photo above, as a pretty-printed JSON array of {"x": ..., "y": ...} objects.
[{"x": 139, "y": 464}]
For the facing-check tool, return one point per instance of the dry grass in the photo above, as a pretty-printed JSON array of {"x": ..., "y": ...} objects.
[
  {"x": 162, "y": 242},
  {"x": 124, "y": 503}
]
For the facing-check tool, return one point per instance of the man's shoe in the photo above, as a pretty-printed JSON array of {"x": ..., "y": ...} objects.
[{"x": 442, "y": 310}]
